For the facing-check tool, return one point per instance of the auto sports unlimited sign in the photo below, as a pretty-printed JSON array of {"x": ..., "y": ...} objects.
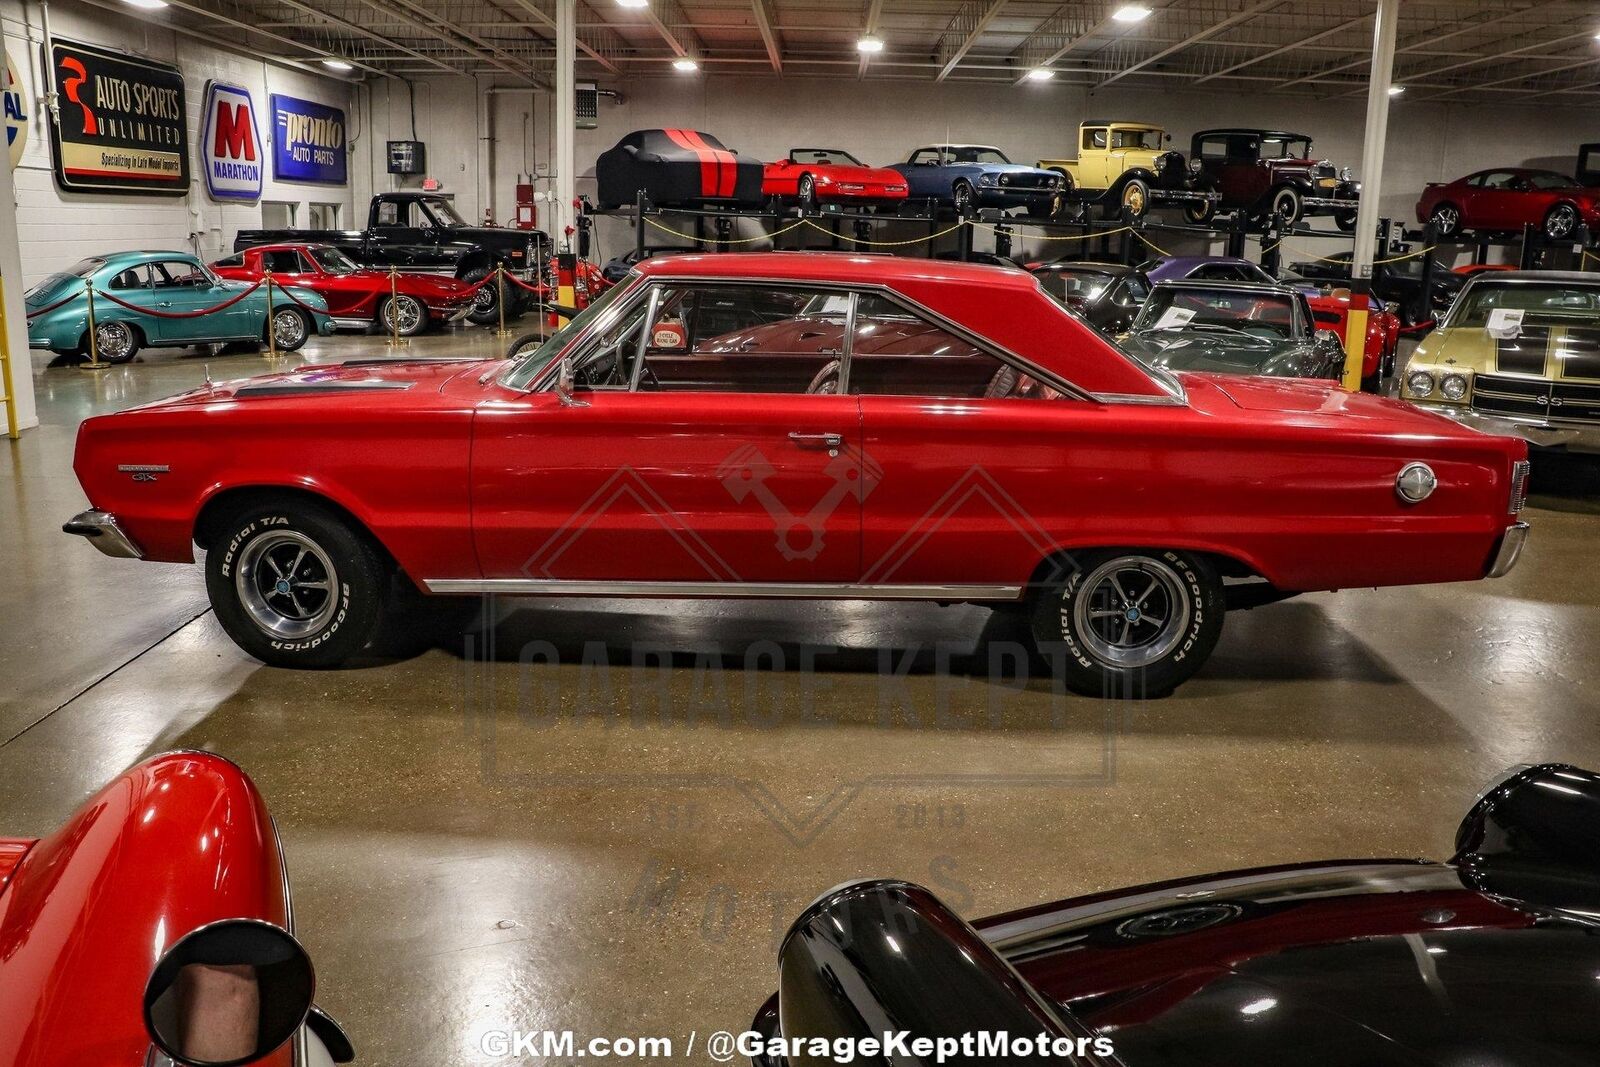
[
  {"x": 230, "y": 145},
  {"x": 121, "y": 127},
  {"x": 307, "y": 141},
  {"x": 16, "y": 112}
]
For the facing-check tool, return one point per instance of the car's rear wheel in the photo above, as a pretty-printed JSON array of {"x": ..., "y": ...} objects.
[
  {"x": 1561, "y": 222},
  {"x": 290, "y": 328},
  {"x": 294, "y": 585},
  {"x": 114, "y": 341},
  {"x": 1446, "y": 220},
  {"x": 403, "y": 314},
  {"x": 1129, "y": 623}
]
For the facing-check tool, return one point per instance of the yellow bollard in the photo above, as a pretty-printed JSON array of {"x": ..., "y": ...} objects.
[
  {"x": 395, "y": 340},
  {"x": 1355, "y": 342},
  {"x": 272, "y": 333},
  {"x": 94, "y": 345},
  {"x": 10, "y": 398}
]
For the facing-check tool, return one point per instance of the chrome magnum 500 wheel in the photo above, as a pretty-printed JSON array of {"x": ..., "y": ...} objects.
[
  {"x": 1130, "y": 623},
  {"x": 294, "y": 585}
]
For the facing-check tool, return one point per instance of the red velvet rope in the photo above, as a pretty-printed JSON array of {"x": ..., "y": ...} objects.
[
  {"x": 64, "y": 300},
  {"x": 181, "y": 314},
  {"x": 542, "y": 289},
  {"x": 279, "y": 287}
]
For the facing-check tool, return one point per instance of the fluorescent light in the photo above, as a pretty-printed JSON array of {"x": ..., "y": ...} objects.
[
  {"x": 1396, "y": 90},
  {"x": 331, "y": 64},
  {"x": 633, "y": 3},
  {"x": 685, "y": 64},
  {"x": 148, "y": 5},
  {"x": 870, "y": 45},
  {"x": 1131, "y": 13},
  {"x": 1041, "y": 74}
]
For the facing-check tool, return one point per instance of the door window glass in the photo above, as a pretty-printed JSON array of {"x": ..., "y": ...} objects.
[
  {"x": 178, "y": 274},
  {"x": 897, "y": 352},
  {"x": 281, "y": 261},
  {"x": 391, "y": 213},
  {"x": 132, "y": 278}
]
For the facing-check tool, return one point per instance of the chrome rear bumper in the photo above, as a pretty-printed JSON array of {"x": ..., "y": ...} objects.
[
  {"x": 1574, "y": 437},
  {"x": 1510, "y": 549},
  {"x": 104, "y": 533}
]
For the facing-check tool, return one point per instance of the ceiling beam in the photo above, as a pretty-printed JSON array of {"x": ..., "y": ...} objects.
[
  {"x": 874, "y": 13},
  {"x": 466, "y": 42},
  {"x": 1521, "y": 76},
  {"x": 1053, "y": 38},
  {"x": 969, "y": 23},
  {"x": 769, "y": 37},
  {"x": 1349, "y": 24},
  {"x": 596, "y": 40},
  {"x": 1417, "y": 42},
  {"x": 362, "y": 31},
  {"x": 1194, "y": 38},
  {"x": 673, "y": 24}
]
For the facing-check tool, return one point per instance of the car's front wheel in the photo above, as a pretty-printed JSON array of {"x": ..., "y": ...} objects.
[
  {"x": 294, "y": 585},
  {"x": 1129, "y": 623},
  {"x": 1135, "y": 198},
  {"x": 806, "y": 192},
  {"x": 961, "y": 195},
  {"x": 1287, "y": 205}
]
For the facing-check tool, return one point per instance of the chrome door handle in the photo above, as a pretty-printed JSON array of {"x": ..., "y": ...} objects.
[{"x": 830, "y": 441}]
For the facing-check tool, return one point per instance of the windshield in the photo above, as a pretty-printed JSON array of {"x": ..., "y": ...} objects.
[
  {"x": 526, "y": 367},
  {"x": 1146, "y": 139},
  {"x": 1258, "y": 314},
  {"x": 1541, "y": 303},
  {"x": 825, "y": 157},
  {"x": 1551, "y": 180},
  {"x": 971, "y": 154},
  {"x": 333, "y": 261},
  {"x": 1082, "y": 286},
  {"x": 443, "y": 212}
]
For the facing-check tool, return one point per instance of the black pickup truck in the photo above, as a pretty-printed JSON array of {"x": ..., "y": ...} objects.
[{"x": 423, "y": 232}]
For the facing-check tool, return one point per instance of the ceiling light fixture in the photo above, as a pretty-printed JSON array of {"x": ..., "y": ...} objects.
[
  {"x": 870, "y": 45},
  {"x": 148, "y": 5},
  {"x": 338, "y": 64},
  {"x": 685, "y": 64},
  {"x": 1396, "y": 90},
  {"x": 633, "y": 3},
  {"x": 1131, "y": 13},
  {"x": 1041, "y": 74}
]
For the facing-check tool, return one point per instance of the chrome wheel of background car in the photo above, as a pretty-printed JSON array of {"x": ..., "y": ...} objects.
[
  {"x": 113, "y": 341},
  {"x": 1199, "y": 211},
  {"x": 288, "y": 328},
  {"x": 962, "y": 195},
  {"x": 1562, "y": 220},
  {"x": 404, "y": 314},
  {"x": 806, "y": 191},
  {"x": 1446, "y": 219},
  {"x": 1133, "y": 611},
  {"x": 286, "y": 583}
]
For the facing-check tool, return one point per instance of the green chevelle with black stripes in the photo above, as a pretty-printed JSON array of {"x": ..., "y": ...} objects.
[
  {"x": 1518, "y": 354},
  {"x": 162, "y": 300}
]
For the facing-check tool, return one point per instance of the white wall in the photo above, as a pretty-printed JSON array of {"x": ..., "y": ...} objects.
[{"x": 56, "y": 228}]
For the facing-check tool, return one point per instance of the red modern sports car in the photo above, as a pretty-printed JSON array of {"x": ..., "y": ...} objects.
[
  {"x": 720, "y": 426},
  {"x": 1510, "y": 198},
  {"x": 155, "y": 927},
  {"x": 1332, "y": 312},
  {"x": 357, "y": 296},
  {"x": 813, "y": 175}
]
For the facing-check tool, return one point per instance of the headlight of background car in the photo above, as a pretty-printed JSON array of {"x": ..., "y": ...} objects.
[
  {"x": 1346, "y": 174},
  {"x": 1419, "y": 383},
  {"x": 986, "y": 179},
  {"x": 1455, "y": 387},
  {"x": 1195, "y": 166}
]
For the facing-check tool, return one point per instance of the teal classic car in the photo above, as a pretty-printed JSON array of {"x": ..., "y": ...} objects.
[{"x": 163, "y": 300}]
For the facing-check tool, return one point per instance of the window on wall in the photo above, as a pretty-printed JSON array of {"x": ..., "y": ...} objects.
[
  {"x": 277, "y": 215},
  {"x": 323, "y": 217}
]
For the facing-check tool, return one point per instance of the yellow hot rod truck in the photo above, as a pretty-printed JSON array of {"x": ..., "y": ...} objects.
[{"x": 1126, "y": 166}]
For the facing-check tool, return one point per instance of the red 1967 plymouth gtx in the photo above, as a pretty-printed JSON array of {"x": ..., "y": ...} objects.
[{"x": 816, "y": 425}]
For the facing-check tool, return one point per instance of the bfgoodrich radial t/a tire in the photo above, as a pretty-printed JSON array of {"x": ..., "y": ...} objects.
[
  {"x": 1129, "y": 623},
  {"x": 294, "y": 585}
]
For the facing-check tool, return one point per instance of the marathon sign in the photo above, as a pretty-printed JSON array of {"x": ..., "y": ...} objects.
[
  {"x": 307, "y": 142},
  {"x": 121, "y": 126},
  {"x": 230, "y": 144}
]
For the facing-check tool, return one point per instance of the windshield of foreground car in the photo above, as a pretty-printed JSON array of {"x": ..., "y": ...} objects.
[
  {"x": 526, "y": 367},
  {"x": 334, "y": 261},
  {"x": 1541, "y": 303},
  {"x": 824, "y": 157},
  {"x": 1263, "y": 314},
  {"x": 1277, "y": 148},
  {"x": 1149, "y": 140}
]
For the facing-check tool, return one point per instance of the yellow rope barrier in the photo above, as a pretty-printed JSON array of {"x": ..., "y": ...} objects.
[
  {"x": 731, "y": 240},
  {"x": 1326, "y": 259},
  {"x": 1151, "y": 244},
  {"x": 888, "y": 244},
  {"x": 1057, "y": 237}
]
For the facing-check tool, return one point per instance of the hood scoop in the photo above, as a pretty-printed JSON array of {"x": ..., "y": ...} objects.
[{"x": 311, "y": 387}]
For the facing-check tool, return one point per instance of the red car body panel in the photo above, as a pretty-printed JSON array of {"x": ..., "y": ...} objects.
[
  {"x": 833, "y": 181},
  {"x": 355, "y": 295},
  {"x": 177, "y": 842},
  {"x": 462, "y": 477},
  {"x": 1506, "y": 209},
  {"x": 1383, "y": 328}
]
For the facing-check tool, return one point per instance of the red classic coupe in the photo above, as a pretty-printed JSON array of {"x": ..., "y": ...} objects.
[
  {"x": 1510, "y": 198},
  {"x": 155, "y": 927},
  {"x": 1332, "y": 312},
  {"x": 357, "y": 297},
  {"x": 810, "y": 176},
  {"x": 810, "y": 425}
]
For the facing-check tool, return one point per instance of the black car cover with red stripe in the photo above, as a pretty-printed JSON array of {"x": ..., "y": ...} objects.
[{"x": 677, "y": 168}]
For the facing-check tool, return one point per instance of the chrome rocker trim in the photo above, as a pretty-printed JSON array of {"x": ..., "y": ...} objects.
[
  {"x": 1510, "y": 550},
  {"x": 104, "y": 533},
  {"x": 694, "y": 590}
]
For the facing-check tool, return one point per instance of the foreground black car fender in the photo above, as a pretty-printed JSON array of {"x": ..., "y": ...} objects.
[{"x": 1489, "y": 958}]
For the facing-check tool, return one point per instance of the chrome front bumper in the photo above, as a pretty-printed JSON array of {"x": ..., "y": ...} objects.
[
  {"x": 104, "y": 533},
  {"x": 1510, "y": 549},
  {"x": 1576, "y": 437}
]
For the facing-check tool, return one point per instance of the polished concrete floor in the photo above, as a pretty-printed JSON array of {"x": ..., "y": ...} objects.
[{"x": 480, "y": 839}]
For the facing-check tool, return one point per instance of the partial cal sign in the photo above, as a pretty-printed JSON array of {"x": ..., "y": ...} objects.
[
  {"x": 122, "y": 125},
  {"x": 231, "y": 144},
  {"x": 16, "y": 112},
  {"x": 307, "y": 141}
]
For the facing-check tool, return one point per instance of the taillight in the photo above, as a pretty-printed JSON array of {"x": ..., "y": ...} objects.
[{"x": 1519, "y": 484}]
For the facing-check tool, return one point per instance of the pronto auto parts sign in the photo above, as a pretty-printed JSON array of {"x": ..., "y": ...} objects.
[
  {"x": 16, "y": 112},
  {"x": 230, "y": 145},
  {"x": 122, "y": 125},
  {"x": 307, "y": 141}
]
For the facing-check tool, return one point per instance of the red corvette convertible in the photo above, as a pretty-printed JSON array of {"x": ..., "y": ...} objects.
[
  {"x": 357, "y": 297},
  {"x": 1510, "y": 198},
  {"x": 806, "y": 425},
  {"x": 1332, "y": 312},
  {"x": 813, "y": 175},
  {"x": 155, "y": 927}
]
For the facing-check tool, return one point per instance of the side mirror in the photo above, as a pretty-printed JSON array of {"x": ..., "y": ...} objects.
[
  {"x": 566, "y": 382},
  {"x": 1167, "y": 137},
  {"x": 1329, "y": 337},
  {"x": 228, "y": 994}
]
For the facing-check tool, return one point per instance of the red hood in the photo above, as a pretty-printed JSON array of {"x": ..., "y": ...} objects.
[
  {"x": 339, "y": 382},
  {"x": 866, "y": 175}
]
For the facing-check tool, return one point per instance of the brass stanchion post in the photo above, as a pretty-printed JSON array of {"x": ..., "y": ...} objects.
[
  {"x": 94, "y": 343},
  {"x": 500, "y": 284},
  {"x": 272, "y": 330},
  {"x": 395, "y": 340}
]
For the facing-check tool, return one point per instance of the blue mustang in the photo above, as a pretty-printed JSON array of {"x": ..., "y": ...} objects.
[{"x": 971, "y": 176}]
